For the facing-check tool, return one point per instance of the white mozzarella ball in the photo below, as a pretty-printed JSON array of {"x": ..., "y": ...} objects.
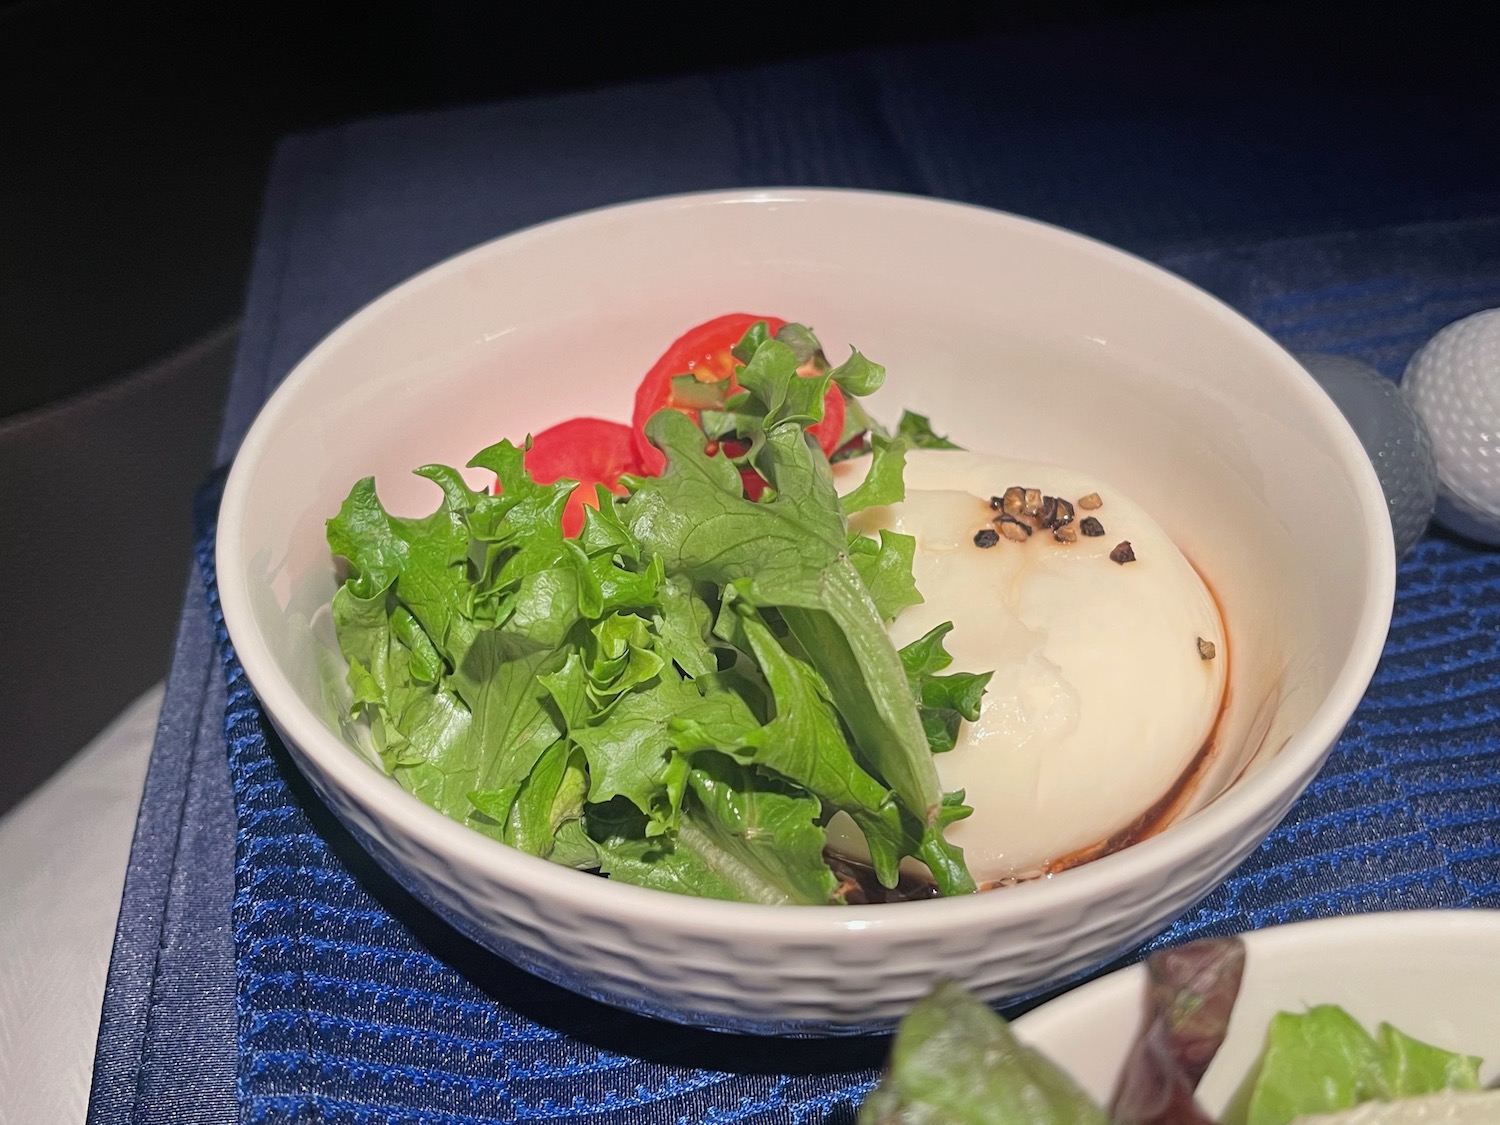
[{"x": 1102, "y": 697}]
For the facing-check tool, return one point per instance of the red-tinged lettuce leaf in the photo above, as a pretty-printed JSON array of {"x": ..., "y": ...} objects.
[{"x": 1190, "y": 992}]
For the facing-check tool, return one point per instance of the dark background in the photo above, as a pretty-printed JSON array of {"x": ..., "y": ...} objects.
[
  {"x": 134, "y": 144},
  {"x": 136, "y": 136}
]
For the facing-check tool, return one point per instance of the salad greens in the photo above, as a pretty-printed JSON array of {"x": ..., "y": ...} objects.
[
  {"x": 682, "y": 696},
  {"x": 1322, "y": 1060},
  {"x": 955, "y": 1062},
  {"x": 1190, "y": 991}
]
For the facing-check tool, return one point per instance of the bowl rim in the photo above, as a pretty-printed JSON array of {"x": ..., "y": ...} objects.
[
  {"x": 1233, "y": 810},
  {"x": 1319, "y": 938}
]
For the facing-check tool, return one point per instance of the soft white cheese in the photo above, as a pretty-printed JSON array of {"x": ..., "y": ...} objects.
[
  {"x": 1100, "y": 699},
  {"x": 1449, "y": 1108}
]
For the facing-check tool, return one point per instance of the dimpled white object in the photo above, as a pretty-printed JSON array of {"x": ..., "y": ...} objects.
[
  {"x": 1454, "y": 383},
  {"x": 1392, "y": 434}
]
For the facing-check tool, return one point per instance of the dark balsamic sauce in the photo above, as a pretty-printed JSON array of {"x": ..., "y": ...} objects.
[
  {"x": 1170, "y": 805},
  {"x": 859, "y": 887}
]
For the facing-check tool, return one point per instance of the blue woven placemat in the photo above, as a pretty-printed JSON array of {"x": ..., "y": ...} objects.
[{"x": 356, "y": 1005}]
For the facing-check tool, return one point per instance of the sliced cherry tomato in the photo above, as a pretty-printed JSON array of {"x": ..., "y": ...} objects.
[
  {"x": 704, "y": 351},
  {"x": 589, "y": 450}
]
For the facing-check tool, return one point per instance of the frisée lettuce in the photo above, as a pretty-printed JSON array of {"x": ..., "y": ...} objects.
[{"x": 682, "y": 695}]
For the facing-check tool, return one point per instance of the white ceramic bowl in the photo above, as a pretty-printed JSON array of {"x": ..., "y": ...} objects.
[
  {"x": 1015, "y": 337},
  {"x": 1420, "y": 971}
]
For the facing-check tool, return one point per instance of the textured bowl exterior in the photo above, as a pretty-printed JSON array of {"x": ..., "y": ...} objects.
[
  {"x": 821, "y": 970},
  {"x": 763, "y": 982}
]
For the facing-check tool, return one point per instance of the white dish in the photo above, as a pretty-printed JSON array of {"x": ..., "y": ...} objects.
[
  {"x": 1430, "y": 973},
  {"x": 1090, "y": 358}
]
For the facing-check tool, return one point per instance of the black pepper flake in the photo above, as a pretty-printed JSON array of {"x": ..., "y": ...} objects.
[
  {"x": 1065, "y": 534},
  {"x": 986, "y": 537},
  {"x": 1014, "y": 529},
  {"x": 1090, "y": 526},
  {"x": 1013, "y": 503},
  {"x": 1123, "y": 552},
  {"x": 1090, "y": 502},
  {"x": 995, "y": 503},
  {"x": 1206, "y": 649},
  {"x": 1062, "y": 514}
]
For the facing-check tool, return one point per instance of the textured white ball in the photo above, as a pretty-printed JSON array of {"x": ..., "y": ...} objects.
[
  {"x": 1393, "y": 435},
  {"x": 1454, "y": 383}
]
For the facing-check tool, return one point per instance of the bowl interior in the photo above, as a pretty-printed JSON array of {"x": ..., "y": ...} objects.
[
  {"x": 1014, "y": 337},
  {"x": 1419, "y": 971}
]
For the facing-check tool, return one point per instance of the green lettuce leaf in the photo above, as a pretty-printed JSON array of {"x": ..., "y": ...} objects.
[
  {"x": 756, "y": 335},
  {"x": 684, "y": 625},
  {"x": 918, "y": 432},
  {"x": 955, "y": 1062},
  {"x": 551, "y": 797},
  {"x": 1413, "y": 1067},
  {"x": 857, "y": 375},
  {"x": 945, "y": 700},
  {"x": 802, "y": 743},
  {"x": 1322, "y": 1061},
  {"x": 805, "y": 346},
  {"x": 884, "y": 566},
  {"x": 742, "y": 836},
  {"x": 631, "y": 755},
  {"x": 884, "y": 483}
]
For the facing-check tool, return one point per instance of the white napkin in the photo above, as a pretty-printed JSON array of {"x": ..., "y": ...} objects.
[{"x": 63, "y": 852}]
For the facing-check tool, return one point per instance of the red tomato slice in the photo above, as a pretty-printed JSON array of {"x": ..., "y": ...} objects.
[
  {"x": 589, "y": 450},
  {"x": 704, "y": 351}
]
